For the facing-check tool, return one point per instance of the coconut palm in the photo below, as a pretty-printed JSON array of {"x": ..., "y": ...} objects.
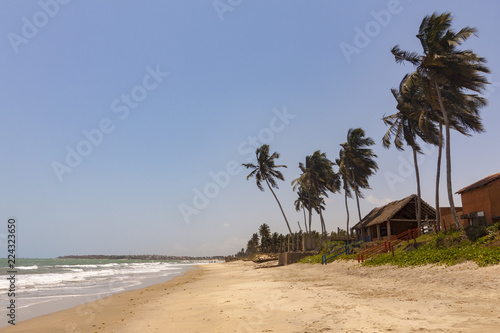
[
  {"x": 301, "y": 203},
  {"x": 464, "y": 115},
  {"x": 446, "y": 67},
  {"x": 408, "y": 124},
  {"x": 357, "y": 162},
  {"x": 344, "y": 178},
  {"x": 265, "y": 171},
  {"x": 265, "y": 237},
  {"x": 316, "y": 180}
]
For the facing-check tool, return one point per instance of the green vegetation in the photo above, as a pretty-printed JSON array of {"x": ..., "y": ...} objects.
[{"x": 444, "y": 248}]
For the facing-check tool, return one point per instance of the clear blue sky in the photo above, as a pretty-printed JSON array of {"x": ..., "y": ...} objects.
[{"x": 158, "y": 98}]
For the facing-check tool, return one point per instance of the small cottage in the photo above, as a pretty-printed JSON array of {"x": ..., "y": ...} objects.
[{"x": 394, "y": 218}]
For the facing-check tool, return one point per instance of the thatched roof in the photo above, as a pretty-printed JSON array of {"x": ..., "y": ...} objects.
[
  {"x": 401, "y": 209},
  {"x": 482, "y": 182}
]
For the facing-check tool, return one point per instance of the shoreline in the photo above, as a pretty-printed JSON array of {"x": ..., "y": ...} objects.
[
  {"x": 340, "y": 297},
  {"x": 31, "y": 306}
]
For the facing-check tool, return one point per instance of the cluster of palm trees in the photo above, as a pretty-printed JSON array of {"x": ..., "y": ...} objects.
[
  {"x": 356, "y": 163},
  {"x": 441, "y": 94}
]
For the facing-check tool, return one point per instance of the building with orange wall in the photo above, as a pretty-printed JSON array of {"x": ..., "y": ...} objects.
[{"x": 481, "y": 201}]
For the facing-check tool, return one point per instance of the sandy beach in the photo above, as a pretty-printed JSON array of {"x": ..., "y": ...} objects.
[{"x": 340, "y": 297}]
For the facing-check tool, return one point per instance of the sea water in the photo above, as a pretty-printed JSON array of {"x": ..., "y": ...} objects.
[{"x": 44, "y": 286}]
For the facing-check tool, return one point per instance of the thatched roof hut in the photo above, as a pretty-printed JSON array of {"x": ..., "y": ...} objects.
[{"x": 394, "y": 218}]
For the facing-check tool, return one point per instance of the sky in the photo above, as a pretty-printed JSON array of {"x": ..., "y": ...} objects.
[{"x": 124, "y": 124}]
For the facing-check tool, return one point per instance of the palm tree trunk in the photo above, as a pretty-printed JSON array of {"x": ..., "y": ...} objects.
[
  {"x": 438, "y": 175},
  {"x": 419, "y": 202},
  {"x": 323, "y": 225},
  {"x": 359, "y": 214},
  {"x": 279, "y": 204},
  {"x": 357, "y": 202},
  {"x": 448, "y": 160},
  {"x": 305, "y": 221},
  {"x": 347, "y": 210}
]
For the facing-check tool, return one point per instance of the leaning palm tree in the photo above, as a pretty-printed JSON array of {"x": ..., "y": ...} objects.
[
  {"x": 301, "y": 203},
  {"x": 316, "y": 180},
  {"x": 343, "y": 172},
  {"x": 446, "y": 67},
  {"x": 265, "y": 171},
  {"x": 464, "y": 115},
  {"x": 408, "y": 124},
  {"x": 358, "y": 163}
]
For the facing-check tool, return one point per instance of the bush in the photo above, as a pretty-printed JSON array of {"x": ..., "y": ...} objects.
[{"x": 476, "y": 232}]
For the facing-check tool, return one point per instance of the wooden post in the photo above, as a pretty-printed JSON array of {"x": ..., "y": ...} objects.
[{"x": 288, "y": 237}]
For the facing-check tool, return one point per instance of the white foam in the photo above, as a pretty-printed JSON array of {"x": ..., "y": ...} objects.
[{"x": 27, "y": 267}]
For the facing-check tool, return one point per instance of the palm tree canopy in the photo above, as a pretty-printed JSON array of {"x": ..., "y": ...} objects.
[
  {"x": 414, "y": 118},
  {"x": 357, "y": 159},
  {"x": 265, "y": 170},
  {"x": 318, "y": 177},
  {"x": 441, "y": 61}
]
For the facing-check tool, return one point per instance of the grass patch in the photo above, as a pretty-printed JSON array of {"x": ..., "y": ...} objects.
[{"x": 445, "y": 248}]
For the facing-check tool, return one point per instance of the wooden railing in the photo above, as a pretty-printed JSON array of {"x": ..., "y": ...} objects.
[
  {"x": 388, "y": 245},
  {"x": 346, "y": 249}
]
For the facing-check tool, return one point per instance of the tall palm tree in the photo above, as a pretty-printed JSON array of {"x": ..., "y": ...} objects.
[
  {"x": 446, "y": 67},
  {"x": 301, "y": 203},
  {"x": 464, "y": 115},
  {"x": 343, "y": 172},
  {"x": 265, "y": 171},
  {"x": 406, "y": 125},
  {"x": 316, "y": 180},
  {"x": 358, "y": 163}
]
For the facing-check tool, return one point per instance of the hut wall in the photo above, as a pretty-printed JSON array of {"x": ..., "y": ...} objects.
[
  {"x": 484, "y": 199},
  {"x": 447, "y": 220}
]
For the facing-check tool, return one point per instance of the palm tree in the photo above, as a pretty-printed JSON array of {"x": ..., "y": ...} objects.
[
  {"x": 358, "y": 163},
  {"x": 265, "y": 237},
  {"x": 464, "y": 115},
  {"x": 446, "y": 67},
  {"x": 265, "y": 171},
  {"x": 253, "y": 244},
  {"x": 316, "y": 180},
  {"x": 406, "y": 125},
  {"x": 343, "y": 172},
  {"x": 301, "y": 203}
]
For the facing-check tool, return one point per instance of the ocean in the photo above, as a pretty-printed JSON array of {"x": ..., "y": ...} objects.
[{"x": 44, "y": 286}]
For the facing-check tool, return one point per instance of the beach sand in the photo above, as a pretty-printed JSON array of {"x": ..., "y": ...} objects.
[{"x": 340, "y": 297}]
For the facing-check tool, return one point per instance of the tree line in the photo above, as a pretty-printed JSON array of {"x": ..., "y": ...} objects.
[{"x": 265, "y": 241}]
